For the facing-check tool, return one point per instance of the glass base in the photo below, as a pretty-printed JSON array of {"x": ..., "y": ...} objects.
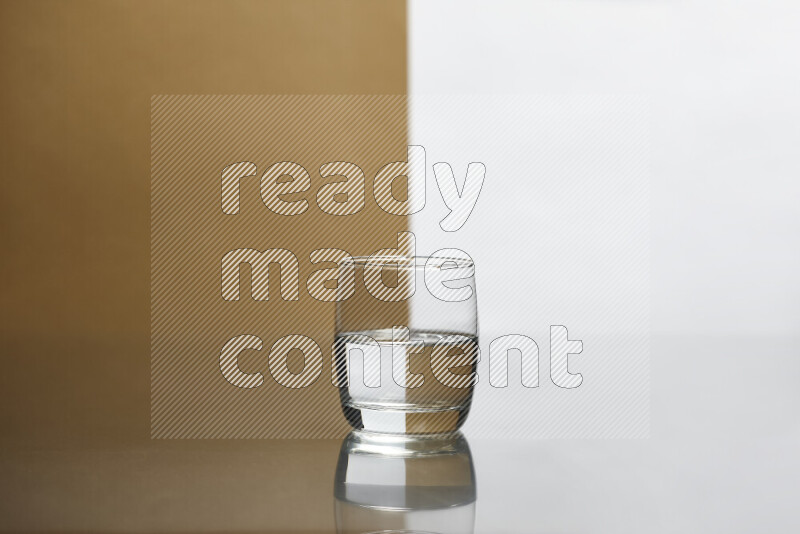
[{"x": 416, "y": 422}]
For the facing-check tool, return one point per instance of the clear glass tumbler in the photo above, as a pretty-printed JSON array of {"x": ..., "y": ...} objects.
[{"x": 406, "y": 346}]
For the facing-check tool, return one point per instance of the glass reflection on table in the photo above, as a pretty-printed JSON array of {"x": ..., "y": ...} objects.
[{"x": 394, "y": 484}]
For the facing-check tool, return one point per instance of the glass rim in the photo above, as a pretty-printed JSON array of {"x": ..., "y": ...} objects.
[{"x": 408, "y": 262}]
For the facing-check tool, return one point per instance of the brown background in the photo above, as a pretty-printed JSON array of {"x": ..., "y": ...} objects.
[
  {"x": 77, "y": 78},
  {"x": 194, "y": 138}
]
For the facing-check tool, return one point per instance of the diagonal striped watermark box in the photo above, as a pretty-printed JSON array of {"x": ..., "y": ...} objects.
[{"x": 557, "y": 224}]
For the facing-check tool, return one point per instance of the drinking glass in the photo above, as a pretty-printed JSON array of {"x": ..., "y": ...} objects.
[{"x": 406, "y": 347}]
